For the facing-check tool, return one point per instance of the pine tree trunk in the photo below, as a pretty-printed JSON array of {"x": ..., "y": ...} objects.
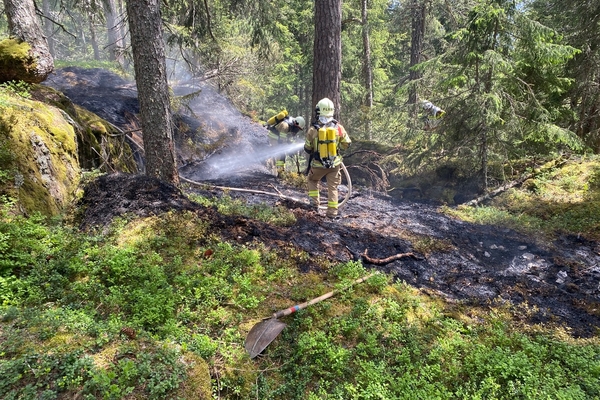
[
  {"x": 368, "y": 71},
  {"x": 327, "y": 69},
  {"x": 145, "y": 27},
  {"x": 48, "y": 28},
  {"x": 113, "y": 29},
  {"x": 94, "y": 39},
  {"x": 484, "y": 158},
  {"x": 24, "y": 25}
]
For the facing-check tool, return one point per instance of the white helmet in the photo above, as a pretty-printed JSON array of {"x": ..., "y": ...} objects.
[
  {"x": 325, "y": 108},
  {"x": 300, "y": 122},
  {"x": 433, "y": 109}
]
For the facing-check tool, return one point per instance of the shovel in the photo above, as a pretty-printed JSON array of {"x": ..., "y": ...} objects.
[{"x": 263, "y": 333}]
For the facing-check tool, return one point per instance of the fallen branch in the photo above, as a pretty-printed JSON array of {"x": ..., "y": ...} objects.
[
  {"x": 382, "y": 261},
  {"x": 514, "y": 183},
  {"x": 499, "y": 190},
  {"x": 204, "y": 185}
]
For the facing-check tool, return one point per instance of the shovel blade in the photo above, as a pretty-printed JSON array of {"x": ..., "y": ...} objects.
[{"x": 261, "y": 335}]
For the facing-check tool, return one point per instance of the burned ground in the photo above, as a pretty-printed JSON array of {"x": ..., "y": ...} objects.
[{"x": 556, "y": 283}]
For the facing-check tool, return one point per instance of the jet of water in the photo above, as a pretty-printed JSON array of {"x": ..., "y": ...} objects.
[{"x": 223, "y": 165}]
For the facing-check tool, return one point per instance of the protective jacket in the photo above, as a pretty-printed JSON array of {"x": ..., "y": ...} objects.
[
  {"x": 284, "y": 131},
  {"x": 312, "y": 144}
]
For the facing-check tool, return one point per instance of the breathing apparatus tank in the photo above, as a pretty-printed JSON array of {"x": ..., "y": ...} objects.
[
  {"x": 323, "y": 150},
  {"x": 327, "y": 145},
  {"x": 275, "y": 119},
  {"x": 331, "y": 148}
]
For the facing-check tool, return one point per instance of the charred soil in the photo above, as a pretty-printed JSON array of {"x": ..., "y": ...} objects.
[{"x": 556, "y": 284}]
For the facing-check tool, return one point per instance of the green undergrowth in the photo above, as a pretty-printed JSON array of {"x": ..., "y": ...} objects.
[
  {"x": 159, "y": 308},
  {"x": 229, "y": 205},
  {"x": 560, "y": 200}
]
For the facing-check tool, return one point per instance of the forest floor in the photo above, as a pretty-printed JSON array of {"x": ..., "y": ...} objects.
[{"x": 554, "y": 282}]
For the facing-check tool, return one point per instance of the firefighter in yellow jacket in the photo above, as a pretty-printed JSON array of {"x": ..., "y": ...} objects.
[
  {"x": 324, "y": 140},
  {"x": 283, "y": 129}
]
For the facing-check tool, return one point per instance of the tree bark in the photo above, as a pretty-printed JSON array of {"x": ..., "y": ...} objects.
[
  {"x": 49, "y": 28},
  {"x": 24, "y": 25},
  {"x": 94, "y": 39},
  {"x": 145, "y": 27},
  {"x": 327, "y": 51},
  {"x": 368, "y": 70},
  {"x": 115, "y": 40}
]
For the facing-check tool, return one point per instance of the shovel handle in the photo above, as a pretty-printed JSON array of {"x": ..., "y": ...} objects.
[{"x": 288, "y": 311}]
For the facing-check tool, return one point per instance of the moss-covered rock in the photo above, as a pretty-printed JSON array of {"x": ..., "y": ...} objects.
[
  {"x": 45, "y": 143},
  {"x": 100, "y": 145},
  {"x": 17, "y": 62},
  {"x": 43, "y": 171},
  {"x": 197, "y": 386}
]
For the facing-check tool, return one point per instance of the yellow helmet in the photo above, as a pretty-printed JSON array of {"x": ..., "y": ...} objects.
[
  {"x": 325, "y": 108},
  {"x": 300, "y": 122}
]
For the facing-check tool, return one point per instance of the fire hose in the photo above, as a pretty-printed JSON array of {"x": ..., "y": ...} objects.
[{"x": 348, "y": 193}]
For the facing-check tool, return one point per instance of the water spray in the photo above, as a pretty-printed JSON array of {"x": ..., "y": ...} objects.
[{"x": 232, "y": 163}]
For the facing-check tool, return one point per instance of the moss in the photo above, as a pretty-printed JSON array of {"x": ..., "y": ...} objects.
[
  {"x": 98, "y": 136},
  {"x": 16, "y": 61},
  {"x": 45, "y": 166},
  {"x": 197, "y": 386},
  {"x": 14, "y": 48},
  {"x": 100, "y": 145}
]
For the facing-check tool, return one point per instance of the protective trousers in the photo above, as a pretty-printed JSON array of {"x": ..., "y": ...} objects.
[{"x": 334, "y": 178}]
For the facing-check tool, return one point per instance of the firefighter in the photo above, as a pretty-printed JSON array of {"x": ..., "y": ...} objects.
[
  {"x": 324, "y": 140},
  {"x": 283, "y": 129},
  {"x": 432, "y": 115}
]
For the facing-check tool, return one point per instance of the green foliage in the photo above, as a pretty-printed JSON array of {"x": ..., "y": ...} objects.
[
  {"x": 23, "y": 242},
  {"x": 109, "y": 316},
  {"x": 228, "y": 205},
  {"x": 502, "y": 81},
  {"x": 19, "y": 88},
  {"x": 149, "y": 371},
  {"x": 157, "y": 370},
  {"x": 564, "y": 199},
  {"x": 436, "y": 357}
]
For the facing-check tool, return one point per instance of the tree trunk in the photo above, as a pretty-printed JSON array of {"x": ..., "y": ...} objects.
[
  {"x": 484, "y": 158},
  {"x": 24, "y": 25},
  {"x": 368, "y": 71},
  {"x": 416, "y": 46},
  {"x": 94, "y": 38},
  {"x": 115, "y": 40},
  {"x": 145, "y": 27},
  {"x": 327, "y": 69},
  {"x": 49, "y": 28}
]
